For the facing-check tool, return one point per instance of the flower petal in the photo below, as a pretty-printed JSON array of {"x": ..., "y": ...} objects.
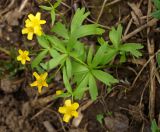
[
  {"x": 74, "y": 113},
  {"x": 36, "y": 75},
  {"x": 75, "y": 106},
  {"x": 19, "y": 58},
  {"x": 68, "y": 102},
  {"x": 38, "y": 15},
  {"x": 20, "y": 51},
  {"x": 28, "y": 59},
  {"x": 30, "y": 36},
  {"x": 35, "y": 83},
  {"x": 58, "y": 92},
  {"x": 45, "y": 84},
  {"x": 26, "y": 53},
  {"x": 66, "y": 117},
  {"x": 42, "y": 21},
  {"x": 25, "y": 31},
  {"x": 23, "y": 61},
  {"x": 44, "y": 75},
  {"x": 31, "y": 17},
  {"x": 39, "y": 89},
  {"x": 62, "y": 110}
]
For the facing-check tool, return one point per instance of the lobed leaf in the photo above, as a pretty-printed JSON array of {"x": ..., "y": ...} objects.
[
  {"x": 38, "y": 58},
  {"x": 42, "y": 40},
  {"x": 60, "y": 30}
]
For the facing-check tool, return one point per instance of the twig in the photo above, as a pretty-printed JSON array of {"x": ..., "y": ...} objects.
[
  {"x": 100, "y": 14},
  {"x": 151, "y": 47},
  {"x": 49, "y": 127},
  {"x": 149, "y": 24}
]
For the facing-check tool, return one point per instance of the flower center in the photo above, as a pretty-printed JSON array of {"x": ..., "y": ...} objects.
[{"x": 24, "y": 56}]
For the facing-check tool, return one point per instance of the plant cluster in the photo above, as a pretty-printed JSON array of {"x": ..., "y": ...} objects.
[{"x": 81, "y": 65}]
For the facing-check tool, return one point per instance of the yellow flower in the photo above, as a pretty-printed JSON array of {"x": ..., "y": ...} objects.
[
  {"x": 23, "y": 56},
  {"x": 58, "y": 92},
  {"x": 40, "y": 81},
  {"x": 33, "y": 25},
  {"x": 69, "y": 110}
]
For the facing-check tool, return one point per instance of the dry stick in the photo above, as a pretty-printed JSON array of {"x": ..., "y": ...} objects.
[
  {"x": 49, "y": 127},
  {"x": 149, "y": 24},
  {"x": 100, "y": 14},
  {"x": 151, "y": 47},
  {"x": 152, "y": 80}
]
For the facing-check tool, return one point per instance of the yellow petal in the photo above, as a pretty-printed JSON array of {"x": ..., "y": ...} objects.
[
  {"x": 26, "y": 53},
  {"x": 58, "y": 92},
  {"x": 30, "y": 36},
  {"x": 20, "y": 51},
  {"x": 35, "y": 83},
  {"x": 66, "y": 117},
  {"x": 75, "y": 106},
  {"x": 25, "y": 30},
  {"x": 19, "y": 58},
  {"x": 39, "y": 89},
  {"x": 68, "y": 102},
  {"x": 44, "y": 75},
  {"x": 45, "y": 84},
  {"x": 28, "y": 59},
  {"x": 42, "y": 21},
  {"x": 36, "y": 75},
  {"x": 38, "y": 15},
  {"x": 31, "y": 17},
  {"x": 37, "y": 30},
  {"x": 74, "y": 113},
  {"x": 62, "y": 110},
  {"x": 23, "y": 61}
]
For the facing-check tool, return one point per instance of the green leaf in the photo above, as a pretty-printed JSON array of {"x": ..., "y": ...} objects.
[
  {"x": 90, "y": 55},
  {"x": 104, "y": 77},
  {"x": 53, "y": 16},
  {"x": 154, "y": 126},
  {"x": 115, "y": 36},
  {"x": 63, "y": 95},
  {"x": 157, "y": 4},
  {"x": 43, "y": 41},
  {"x": 101, "y": 41},
  {"x": 133, "y": 48},
  {"x": 53, "y": 52},
  {"x": 81, "y": 88},
  {"x": 39, "y": 58},
  {"x": 100, "y": 118},
  {"x": 69, "y": 68},
  {"x": 56, "y": 43},
  {"x": 47, "y": 8},
  {"x": 66, "y": 81},
  {"x": 78, "y": 68},
  {"x": 60, "y": 30},
  {"x": 93, "y": 87},
  {"x": 156, "y": 14},
  {"x": 54, "y": 62},
  {"x": 87, "y": 30},
  {"x": 57, "y": 3},
  {"x": 99, "y": 56},
  {"x": 158, "y": 59},
  {"x": 78, "y": 19},
  {"x": 123, "y": 57},
  {"x": 109, "y": 56}
]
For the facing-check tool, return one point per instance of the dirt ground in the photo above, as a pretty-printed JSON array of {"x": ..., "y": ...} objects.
[{"x": 126, "y": 108}]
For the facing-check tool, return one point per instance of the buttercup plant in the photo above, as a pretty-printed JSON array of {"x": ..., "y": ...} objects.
[{"x": 81, "y": 66}]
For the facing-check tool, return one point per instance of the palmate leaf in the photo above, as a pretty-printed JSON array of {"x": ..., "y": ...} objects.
[
  {"x": 86, "y": 30},
  {"x": 93, "y": 87},
  {"x": 90, "y": 55},
  {"x": 66, "y": 81},
  {"x": 104, "y": 77},
  {"x": 133, "y": 48},
  {"x": 78, "y": 19},
  {"x": 81, "y": 88},
  {"x": 39, "y": 58},
  {"x": 54, "y": 62},
  {"x": 53, "y": 16},
  {"x": 115, "y": 35},
  {"x": 42, "y": 40},
  {"x": 60, "y": 30},
  {"x": 68, "y": 67},
  {"x": 56, "y": 43}
]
